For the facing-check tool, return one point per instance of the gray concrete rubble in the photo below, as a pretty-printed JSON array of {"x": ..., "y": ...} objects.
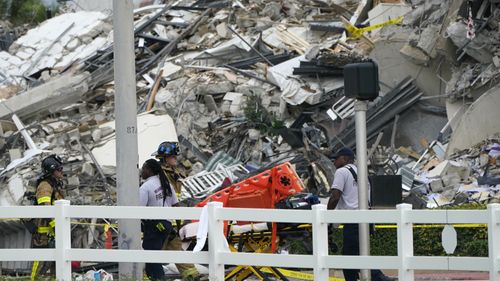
[
  {"x": 49, "y": 97},
  {"x": 246, "y": 85},
  {"x": 250, "y": 88},
  {"x": 469, "y": 175}
]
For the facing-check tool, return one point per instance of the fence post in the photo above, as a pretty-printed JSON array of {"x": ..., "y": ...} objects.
[
  {"x": 320, "y": 243},
  {"x": 493, "y": 241},
  {"x": 405, "y": 242},
  {"x": 63, "y": 241},
  {"x": 215, "y": 242}
]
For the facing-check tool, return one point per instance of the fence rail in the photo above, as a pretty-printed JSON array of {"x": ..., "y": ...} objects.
[{"x": 217, "y": 256}]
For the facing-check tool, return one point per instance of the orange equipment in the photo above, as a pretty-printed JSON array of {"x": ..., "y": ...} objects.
[{"x": 261, "y": 191}]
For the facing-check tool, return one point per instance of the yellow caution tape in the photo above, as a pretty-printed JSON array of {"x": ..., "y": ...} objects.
[
  {"x": 96, "y": 224},
  {"x": 477, "y": 225},
  {"x": 77, "y": 223},
  {"x": 9, "y": 219},
  {"x": 381, "y": 226},
  {"x": 356, "y": 32},
  {"x": 297, "y": 274}
]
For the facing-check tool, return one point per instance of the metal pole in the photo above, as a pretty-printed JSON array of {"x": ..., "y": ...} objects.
[
  {"x": 127, "y": 172},
  {"x": 360, "y": 107},
  {"x": 20, "y": 127}
]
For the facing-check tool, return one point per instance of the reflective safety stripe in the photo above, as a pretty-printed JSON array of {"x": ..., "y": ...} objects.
[
  {"x": 44, "y": 229},
  {"x": 160, "y": 227},
  {"x": 181, "y": 223},
  {"x": 190, "y": 273},
  {"x": 45, "y": 199},
  {"x": 52, "y": 223},
  {"x": 34, "y": 269}
]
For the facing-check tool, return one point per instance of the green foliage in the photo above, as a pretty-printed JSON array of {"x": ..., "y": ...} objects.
[
  {"x": 384, "y": 242},
  {"x": 472, "y": 242},
  {"x": 23, "y": 12},
  {"x": 40, "y": 278},
  {"x": 258, "y": 117}
]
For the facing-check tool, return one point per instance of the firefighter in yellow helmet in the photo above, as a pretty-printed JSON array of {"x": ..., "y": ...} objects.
[{"x": 49, "y": 189}]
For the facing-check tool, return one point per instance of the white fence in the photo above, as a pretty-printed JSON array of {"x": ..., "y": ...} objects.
[{"x": 217, "y": 257}]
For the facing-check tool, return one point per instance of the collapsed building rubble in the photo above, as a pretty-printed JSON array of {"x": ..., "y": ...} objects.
[
  {"x": 247, "y": 85},
  {"x": 469, "y": 175}
]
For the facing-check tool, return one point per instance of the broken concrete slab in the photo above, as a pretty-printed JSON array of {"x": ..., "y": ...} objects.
[
  {"x": 236, "y": 101},
  {"x": 254, "y": 134},
  {"x": 152, "y": 130},
  {"x": 223, "y": 31},
  {"x": 478, "y": 123},
  {"x": 73, "y": 181},
  {"x": 12, "y": 195},
  {"x": 53, "y": 44},
  {"x": 477, "y": 48},
  {"x": 50, "y": 96},
  {"x": 15, "y": 154},
  {"x": 415, "y": 55},
  {"x": 88, "y": 169},
  {"x": 214, "y": 88},
  {"x": 210, "y": 103},
  {"x": 428, "y": 39},
  {"x": 394, "y": 66},
  {"x": 452, "y": 168},
  {"x": 496, "y": 61}
]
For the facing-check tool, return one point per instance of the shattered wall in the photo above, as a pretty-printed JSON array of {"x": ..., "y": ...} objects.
[
  {"x": 479, "y": 122},
  {"x": 246, "y": 85}
]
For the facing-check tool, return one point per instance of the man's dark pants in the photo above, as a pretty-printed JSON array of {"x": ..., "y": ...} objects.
[
  {"x": 153, "y": 240},
  {"x": 351, "y": 247}
]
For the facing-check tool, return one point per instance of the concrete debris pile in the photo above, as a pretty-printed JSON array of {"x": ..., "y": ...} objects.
[
  {"x": 9, "y": 34},
  {"x": 466, "y": 34},
  {"x": 87, "y": 182},
  {"x": 469, "y": 175},
  {"x": 244, "y": 86},
  {"x": 227, "y": 81},
  {"x": 43, "y": 53}
]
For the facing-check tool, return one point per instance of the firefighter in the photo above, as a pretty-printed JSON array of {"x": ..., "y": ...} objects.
[
  {"x": 155, "y": 192},
  {"x": 49, "y": 189},
  {"x": 167, "y": 154}
]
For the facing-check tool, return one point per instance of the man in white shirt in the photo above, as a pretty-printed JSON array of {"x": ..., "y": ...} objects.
[{"x": 344, "y": 196}]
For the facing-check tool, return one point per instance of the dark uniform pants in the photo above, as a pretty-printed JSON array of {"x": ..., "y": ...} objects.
[
  {"x": 153, "y": 240},
  {"x": 42, "y": 268},
  {"x": 351, "y": 248}
]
